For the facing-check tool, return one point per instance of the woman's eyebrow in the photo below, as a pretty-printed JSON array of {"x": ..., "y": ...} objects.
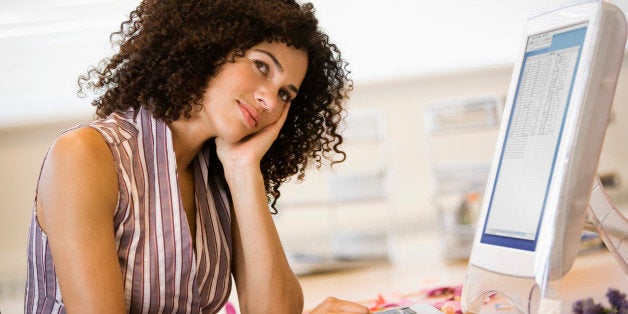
[
  {"x": 272, "y": 57},
  {"x": 278, "y": 65}
]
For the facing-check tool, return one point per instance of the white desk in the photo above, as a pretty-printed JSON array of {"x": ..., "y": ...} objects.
[{"x": 418, "y": 265}]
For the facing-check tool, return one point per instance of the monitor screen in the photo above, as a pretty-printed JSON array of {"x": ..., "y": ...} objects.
[{"x": 532, "y": 139}]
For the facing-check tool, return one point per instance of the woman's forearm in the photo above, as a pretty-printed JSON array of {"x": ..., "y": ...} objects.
[{"x": 264, "y": 279}]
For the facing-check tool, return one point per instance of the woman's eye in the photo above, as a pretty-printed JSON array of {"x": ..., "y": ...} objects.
[
  {"x": 284, "y": 96},
  {"x": 261, "y": 66}
]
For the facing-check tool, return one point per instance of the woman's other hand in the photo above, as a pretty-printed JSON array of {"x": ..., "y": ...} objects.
[{"x": 333, "y": 305}]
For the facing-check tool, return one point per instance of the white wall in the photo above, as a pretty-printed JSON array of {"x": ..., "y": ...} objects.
[{"x": 46, "y": 44}]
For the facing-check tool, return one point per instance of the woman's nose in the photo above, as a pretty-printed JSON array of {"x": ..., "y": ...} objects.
[{"x": 266, "y": 98}]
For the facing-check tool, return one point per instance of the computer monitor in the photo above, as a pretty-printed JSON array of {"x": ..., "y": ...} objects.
[
  {"x": 529, "y": 151},
  {"x": 548, "y": 148}
]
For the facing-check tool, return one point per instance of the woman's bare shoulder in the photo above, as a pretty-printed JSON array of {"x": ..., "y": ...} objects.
[
  {"x": 82, "y": 150},
  {"x": 78, "y": 175},
  {"x": 84, "y": 142}
]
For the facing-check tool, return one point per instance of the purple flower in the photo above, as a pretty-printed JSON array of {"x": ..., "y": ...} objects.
[
  {"x": 587, "y": 306},
  {"x": 618, "y": 301}
]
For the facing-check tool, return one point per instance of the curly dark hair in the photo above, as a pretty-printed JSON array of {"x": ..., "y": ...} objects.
[{"x": 169, "y": 50}]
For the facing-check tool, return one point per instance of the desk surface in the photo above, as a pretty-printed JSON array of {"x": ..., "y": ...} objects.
[{"x": 417, "y": 265}]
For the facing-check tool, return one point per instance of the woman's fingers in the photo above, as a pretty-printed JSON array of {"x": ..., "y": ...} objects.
[
  {"x": 254, "y": 146},
  {"x": 333, "y": 305},
  {"x": 276, "y": 127}
]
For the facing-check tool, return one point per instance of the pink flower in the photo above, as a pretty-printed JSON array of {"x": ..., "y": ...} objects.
[{"x": 230, "y": 309}]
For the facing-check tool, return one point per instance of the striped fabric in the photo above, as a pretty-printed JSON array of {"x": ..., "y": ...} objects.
[{"x": 161, "y": 271}]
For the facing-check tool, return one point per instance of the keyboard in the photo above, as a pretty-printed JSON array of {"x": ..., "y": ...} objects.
[{"x": 419, "y": 308}]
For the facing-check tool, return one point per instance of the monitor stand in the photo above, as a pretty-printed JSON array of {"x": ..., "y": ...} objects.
[
  {"x": 542, "y": 294},
  {"x": 481, "y": 284},
  {"x": 607, "y": 221}
]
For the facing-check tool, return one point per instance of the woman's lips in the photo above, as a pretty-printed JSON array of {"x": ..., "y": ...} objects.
[{"x": 249, "y": 114}]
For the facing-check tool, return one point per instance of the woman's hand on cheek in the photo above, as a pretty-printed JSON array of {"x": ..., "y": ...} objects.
[
  {"x": 252, "y": 148},
  {"x": 333, "y": 305}
]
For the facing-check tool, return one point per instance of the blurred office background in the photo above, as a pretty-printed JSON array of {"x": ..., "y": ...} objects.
[{"x": 415, "y": 64}]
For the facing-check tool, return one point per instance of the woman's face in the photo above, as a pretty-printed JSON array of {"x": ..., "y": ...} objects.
[{"x": 250, "y": 93}]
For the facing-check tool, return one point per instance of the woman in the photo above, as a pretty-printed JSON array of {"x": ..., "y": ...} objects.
[{"x": 207, "y": 107}]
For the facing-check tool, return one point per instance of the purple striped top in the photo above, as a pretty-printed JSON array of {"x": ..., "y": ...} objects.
[{"x": 161, "y": 271}]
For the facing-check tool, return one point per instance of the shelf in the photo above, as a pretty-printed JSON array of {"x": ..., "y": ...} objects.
[
  {"x": 454, "y": 116},
  {"x": 458, "y": 171}
]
